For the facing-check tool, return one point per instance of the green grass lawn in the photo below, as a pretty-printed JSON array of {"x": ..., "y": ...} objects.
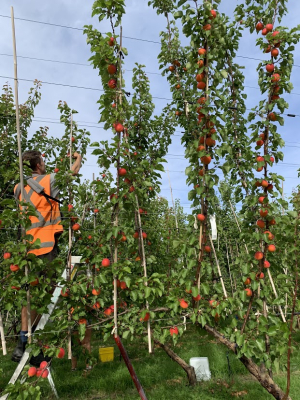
[{"x": 160, "y": 377}]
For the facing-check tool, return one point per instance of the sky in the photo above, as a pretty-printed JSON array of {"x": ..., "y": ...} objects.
[{"x": 69, "y": 47}]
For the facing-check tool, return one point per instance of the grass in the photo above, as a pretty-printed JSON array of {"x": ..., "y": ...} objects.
[{"x": 160, "y": 377}]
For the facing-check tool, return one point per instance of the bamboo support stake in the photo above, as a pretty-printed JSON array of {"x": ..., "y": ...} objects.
[
  {"x": 116, "y": 221},
  {"x": 20, "y": 157},
  {"x": 229, "y": 267},
  {"x": 70, "y": 246},
  {"x": 94, "y": 202},
  {"x": 218, "y": 266},
  {"x": 3, "y": 342},
  {"x": 269, "y": 273},
  {"x": 176, "y": 222},
  {"x": 145, "y": 271}
]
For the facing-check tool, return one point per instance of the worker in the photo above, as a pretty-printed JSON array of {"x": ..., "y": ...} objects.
[{"x": 42, "y": 192}]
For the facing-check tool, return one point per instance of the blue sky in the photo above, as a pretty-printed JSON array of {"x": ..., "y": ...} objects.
[{"x": 69, "y": 45}]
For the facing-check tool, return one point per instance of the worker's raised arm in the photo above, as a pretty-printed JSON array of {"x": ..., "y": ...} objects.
[{"x": 77, "y": 164}]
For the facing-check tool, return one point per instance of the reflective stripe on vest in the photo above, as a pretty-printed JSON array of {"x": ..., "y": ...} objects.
[{"x": 47, "y": 222}]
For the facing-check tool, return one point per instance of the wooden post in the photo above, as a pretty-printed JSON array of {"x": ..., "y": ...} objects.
[{"x": 20, "y": 157}]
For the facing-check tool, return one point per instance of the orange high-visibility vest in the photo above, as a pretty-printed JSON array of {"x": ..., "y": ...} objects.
[{"x": 47, "y": 224}]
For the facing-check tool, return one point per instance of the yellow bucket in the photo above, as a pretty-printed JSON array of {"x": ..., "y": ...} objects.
[{"x": 106, "y": 354}]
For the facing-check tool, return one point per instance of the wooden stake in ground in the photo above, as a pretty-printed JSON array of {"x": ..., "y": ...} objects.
[
  {"x": 70, "y": 243},
  {"x": 3, "y": 342},
  {"x": 229, "y": 267},
  {"x": 218, "y": 266},
  {"x": 20, "y": 157}
]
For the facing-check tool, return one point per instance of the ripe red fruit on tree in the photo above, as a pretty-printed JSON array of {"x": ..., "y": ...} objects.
[
  {"x": 201, "y": 100},
  {"x": 45, "y": 374},
  {"x": 260, "y": 223},
  {"x": 199, "y": 78},
  {"x": 271, "y": 248},
  {"x": 146, "y": 317},
  {"x": 206, "y": 160},
  {"x": 96, "y": 306},
  {"x": 35, "y": 282},
  {"x": 15, "y": 287},
  {"x": 207, "y": 27},
  {"x": 275, "y": 33},
  {"x": 122, "y": 171},
  {"x": 123, "y": 285},
  {"x": 201, "y": 85},
  {"x": 43, "y": 364},
  {"x": 131, "y": 189},
  {"x": 105, "y": 262},
  {"x": 266, "y": 264},
  {"x": 111, "y": 41},
  {"x": 183, "y": 303},
  {"x": 210, "y": 142},
  {"x": 258, "y": 255},
  {"x": 112, "y": 83},
  {"x": 264, "y": 183},
  {"x": 200, "y": 217},
  {"x": 259, "y": 142},
  {"x": 264, "y": 31},
  {"x": 201, "y": 173},
  {"x": 259, "y": 26},
  {"x": 197, "y": 298},
  {"x": 70, "y": 207},
  {"x": 61, "y": 353},
  {"x": 270, "y": 68},
  {"x": 144, "y": 234},
  {"x": 269, "y": 27},
  {"x": 272, "y": 222},
  {"x": 66, "y": 294},
  {"x": 213, "y": 14},
  {"x": 275, "y": 78},
  {"x": 75, "y": 227},
  {"x": 6, "y": 256},
  {"x": 259, "y": 169},
  {"x": 260, "y": 159},
  {"x": 14, "y": 268},
  {"x": 269, "y": 187},
  {"x": 32, "y": 371},
  {"x": 207, "y": 249},
  {"x": 119, "y": 127},
  {"x": 274, "y": 52},
  {"x": 171, "y": 68},
  {"x": 56, "y": 170},
  {"x": 200, "y": 148},
  {"x": 261, "y": 199},
  {"x": 270, "y": 235},
  {"x": 260, "y": 275},
  {"x": 111, "y": 69},
  {"x": 136, "y": 234},
  {"x": 272, "y": 116},
  {"x": 108, "y": 311},
  {"x": 213, "y": 303},
  {"x": 263, "y": 213},
  {"x": 96, "y": 210},
  {"x": 247, "y": 281},
  {"x": 96, "y": 292},
  {"x": 174, "y": 331},
  {"x": 201, "y": 52},
  {"x": 248, "y": 292},
  {"x": 82, "y": 321}
]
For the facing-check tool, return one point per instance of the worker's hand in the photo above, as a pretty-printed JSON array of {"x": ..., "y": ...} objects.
[{"x": 76, "y": 155}]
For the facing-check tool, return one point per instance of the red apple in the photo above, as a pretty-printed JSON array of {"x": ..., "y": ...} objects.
[
  {"x": 122, "y": 171},
  {"x": 266, "y": 264},
  {"x": 112, "y": 83},
  {"x": 260, "y": 223},
  {"x": 201, "y": 217},
  {"x": 260, "y": 275},
  {"x": 105, "y": 262},
  {"x": 45, "y": 374},
  {"x": 261, "y": 199},
  {"x": 32, "y": 371},
  {"x": 96, "y": 292},
  {"x": 259, "y": 255},
  {"x": 263, "y": 213},
  {"x": 14, "y": 268},
  {"x": 271, "y": 248},
  {"x": 247, "y": 281},
  {"x": 264, "y": 31},
  {"x": 248, "y": 292},
  {"x": 269, "y": 27},
  {"x": 111, "y": 69},
  {"x": 207, "y": 27},
  {"x": 270, "y": 235},
  {"x": 259, "y": 26},
  {"x": 201, "y": 52},
  {"x": 146, "y": 317},
  {"x": 207, "y": 249},
  {"x": 213, "y": 14},
  {"x": 56, "y": 170},
  {"x": 61, "y": 353},
  {"x": 275, "y": 78},
  {"x": 75, "y": 227},
  {"x": 183, "y": 303},
  {"x": 144, "y": 234},
  {"x": 274, "y": 52},
  {"x": 174, "y": 331},
  {"x": 270, "y": 68}
]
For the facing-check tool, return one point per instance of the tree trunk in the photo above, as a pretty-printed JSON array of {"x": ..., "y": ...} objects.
[
  {"x": 187, "y": 368},
  {"x": 263, "y": 378}
]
